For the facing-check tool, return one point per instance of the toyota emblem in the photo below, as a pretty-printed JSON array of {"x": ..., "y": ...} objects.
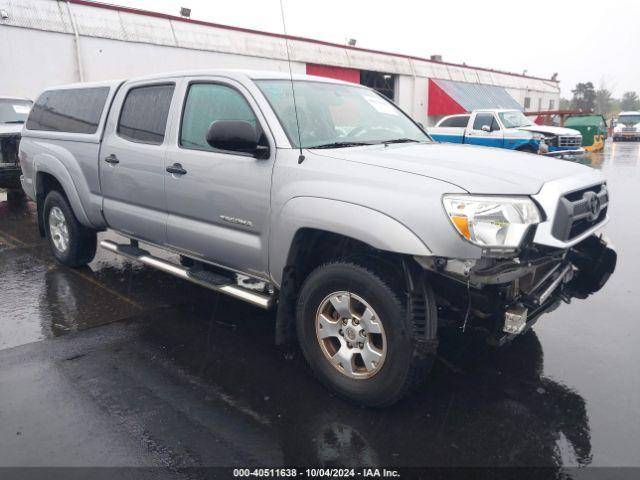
[{"x": 594, "y": 204}]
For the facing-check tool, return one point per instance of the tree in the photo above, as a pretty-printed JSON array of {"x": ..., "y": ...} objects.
[
  {"x": 604, "y": 101},
  {"x": 630, "y": 101},
  {"x": 584, "y": 96}
]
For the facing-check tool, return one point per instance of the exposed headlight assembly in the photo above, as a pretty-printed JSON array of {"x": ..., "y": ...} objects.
[{"x": 492, "y": 222}]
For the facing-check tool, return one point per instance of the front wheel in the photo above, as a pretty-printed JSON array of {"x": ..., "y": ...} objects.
[
  {"x": 527, "y": 149},
  {"x": 354, "y": 331},
  {"x": 72, "y": 244}
]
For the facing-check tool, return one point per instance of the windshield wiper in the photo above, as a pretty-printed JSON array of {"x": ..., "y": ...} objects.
[
  {"x": 402, "y": 140},
  {"x": 14, "y": 121},
  {"x": 341, "y": 145}
]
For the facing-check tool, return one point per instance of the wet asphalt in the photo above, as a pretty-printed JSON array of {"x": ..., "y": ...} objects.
[{"x": 120, "y": 365}]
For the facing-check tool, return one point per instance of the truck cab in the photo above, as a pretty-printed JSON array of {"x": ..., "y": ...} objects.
[{"x": 509, "y": 129}]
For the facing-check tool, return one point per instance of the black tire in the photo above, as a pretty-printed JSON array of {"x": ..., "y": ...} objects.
[
  {"x": 82, "y": 243},
  {"x": 407, "y": 361},
  {"x": 527, "y": 149}
]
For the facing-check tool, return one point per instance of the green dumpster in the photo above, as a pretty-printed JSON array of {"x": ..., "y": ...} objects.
[{"x": 593, "y": 129}]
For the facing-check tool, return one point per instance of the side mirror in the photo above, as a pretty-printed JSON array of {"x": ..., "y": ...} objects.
[
  {"x": 237, "y": 136},
  {"x": 486, "y": 128}
]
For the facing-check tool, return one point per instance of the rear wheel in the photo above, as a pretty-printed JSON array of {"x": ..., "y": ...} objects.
[
  {"x": 354, "y": 331},
  {"x": 70, "y": 242}
]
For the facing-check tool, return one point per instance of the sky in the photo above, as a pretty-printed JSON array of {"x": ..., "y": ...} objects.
[{"x": 581, "y": 40}]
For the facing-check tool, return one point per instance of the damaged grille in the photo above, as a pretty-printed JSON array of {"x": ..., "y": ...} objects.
[
  {"x": 9, "y": 149},
  {"x": 570, "y": 141},
  {"x": 580, "y": 211}
]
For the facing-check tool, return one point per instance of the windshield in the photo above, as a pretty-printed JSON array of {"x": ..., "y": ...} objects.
[
  {"x": 514, "y": 119},
  {"x": 336, "y": 115},
  {"x": 14, "y": 111},
  {"x": 629, "y": 119}
]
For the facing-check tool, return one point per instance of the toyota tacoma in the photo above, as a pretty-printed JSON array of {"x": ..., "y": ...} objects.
[{"x": 336, "y": 210}]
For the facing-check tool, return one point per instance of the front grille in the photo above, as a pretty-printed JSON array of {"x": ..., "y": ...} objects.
[
  {"x": 570, "y": 141},
  {"x": 629, "y": 129},
  {"x": 580, "y": 211},
  {"x": 582, "y": 225},
  {"x": 578, "y": 194}
]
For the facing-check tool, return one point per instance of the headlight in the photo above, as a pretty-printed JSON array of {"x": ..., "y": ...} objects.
[{"x": 491, "y": 222}]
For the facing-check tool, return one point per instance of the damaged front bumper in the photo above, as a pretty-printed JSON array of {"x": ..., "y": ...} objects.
[
  {"x": 573, "y": 154},
  {"x": 507, "y": 296}
]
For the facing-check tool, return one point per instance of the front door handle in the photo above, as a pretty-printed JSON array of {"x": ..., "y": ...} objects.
[
  {"x": 112, "y": 159},
  {"x": 177, "y": 169}
]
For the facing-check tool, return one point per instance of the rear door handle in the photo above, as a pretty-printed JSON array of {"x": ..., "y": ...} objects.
[
  {"x": 112, "y": 159},
  {"x": 177, "y": 169}
]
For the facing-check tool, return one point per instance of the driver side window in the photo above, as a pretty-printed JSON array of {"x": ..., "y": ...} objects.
[
  {"x": 485, "y": 119},
  {"x": 207, "y": 103}
]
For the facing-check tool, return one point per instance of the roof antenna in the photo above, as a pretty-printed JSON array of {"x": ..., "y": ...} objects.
[{"x": 293, "y": 88}]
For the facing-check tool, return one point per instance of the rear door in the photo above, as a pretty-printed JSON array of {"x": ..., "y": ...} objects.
[
  {"x": 219, "y": 207},
  {"x": 485, "y": 130},
  {"x": 132, "y": 170}
]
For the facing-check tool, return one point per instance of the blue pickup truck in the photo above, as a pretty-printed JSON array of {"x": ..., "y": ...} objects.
[{"x": 509, "y": 129}]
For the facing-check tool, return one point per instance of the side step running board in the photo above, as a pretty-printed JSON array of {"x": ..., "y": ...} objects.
[{"x": 210, "y": 280}]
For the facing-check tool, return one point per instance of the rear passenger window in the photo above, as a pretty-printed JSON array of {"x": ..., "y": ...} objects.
[
  {"x": 206, "y": 103},
  {"x": 144, "y": 114},
  {"x": 76, "y": 110},
  {"x": 460, "y": 121}
]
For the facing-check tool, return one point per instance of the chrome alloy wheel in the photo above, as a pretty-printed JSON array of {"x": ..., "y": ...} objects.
[
  {"x": 58, "y": 229},
  {"x": 351, "y": 335}
]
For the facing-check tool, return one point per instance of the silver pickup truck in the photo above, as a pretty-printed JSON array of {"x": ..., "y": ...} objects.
[{"x": 337, "y": 210}]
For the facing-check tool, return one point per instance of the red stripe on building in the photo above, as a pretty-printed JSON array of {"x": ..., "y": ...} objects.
[
  {"x": 338, "y": 73},
  {"x": 440, "y": 103}
]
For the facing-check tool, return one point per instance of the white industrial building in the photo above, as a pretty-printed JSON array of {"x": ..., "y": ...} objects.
[{"x": 49, "y": 42}]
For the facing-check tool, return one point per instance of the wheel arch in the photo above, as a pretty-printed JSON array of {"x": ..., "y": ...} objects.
[
  {"x": 301, "y": 216},
  {"x": 307, "y": 240},
  {"x": 52, "y": 175},
  {"x": 528, "y": 147}
]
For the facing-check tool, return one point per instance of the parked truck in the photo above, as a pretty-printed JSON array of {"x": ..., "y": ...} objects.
[
  {"x": 627, "y": 127},
  {"x": 337, "y": 211},
  {"x": 509, "y": 129},
  {"x": 13, "y": 113}
]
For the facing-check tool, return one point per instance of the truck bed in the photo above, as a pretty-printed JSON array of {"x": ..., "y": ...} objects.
[{"x": 447, "y": 134}]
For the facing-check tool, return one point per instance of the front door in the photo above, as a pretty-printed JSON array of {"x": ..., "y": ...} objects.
[
  {"x": 485, "y": 131},
  {"x": 132, "y": 171},
  {"x": 218, "y": 202}
]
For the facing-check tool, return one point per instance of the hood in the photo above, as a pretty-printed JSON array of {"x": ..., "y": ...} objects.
[
  {"x": 621, "y": 126},
  {"x": 475, "y": 169},
  {"x": 546, "y": 129},
  {"x": 10, "y": 129}
]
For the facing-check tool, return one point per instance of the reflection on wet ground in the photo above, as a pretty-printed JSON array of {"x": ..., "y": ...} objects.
[{"x": 166, "y": 373}]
